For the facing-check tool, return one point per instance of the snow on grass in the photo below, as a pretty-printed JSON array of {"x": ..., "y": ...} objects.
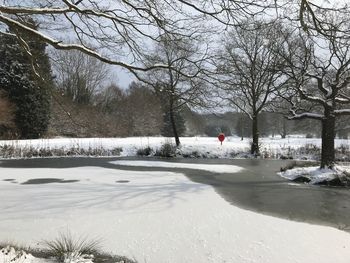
[
  {"x": 76, "y": 257},
  {"x": 9, "y": 254},
  {"x": 214, "y": 168},
  {"x": 203, "y": 146},
  {"x": 158, "y": 217}
]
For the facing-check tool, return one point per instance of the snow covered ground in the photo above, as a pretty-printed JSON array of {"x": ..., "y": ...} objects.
[
  {"x": 315, "y": 174},
  {"x": 155, "y": 217},
  {"x": 203, "y": 146},
  {"x": 9, "y": 254}
]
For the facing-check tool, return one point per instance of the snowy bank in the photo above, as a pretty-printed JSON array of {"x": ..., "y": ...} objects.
[
  {"x": 156, "y": 217},
  {"x": 206, "y": 147},
  {"x": 314, "y": 175},
  {"x": 9, "y": 254}
]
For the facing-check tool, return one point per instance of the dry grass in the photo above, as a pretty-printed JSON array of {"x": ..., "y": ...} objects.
[{"x": 66, "y": 247}]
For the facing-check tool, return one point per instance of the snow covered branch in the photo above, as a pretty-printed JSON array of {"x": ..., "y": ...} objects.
[
  {"x": 342, "y": 112},
  {"x": 62, "y": 46},
  {"x": 304, "y": 115}
]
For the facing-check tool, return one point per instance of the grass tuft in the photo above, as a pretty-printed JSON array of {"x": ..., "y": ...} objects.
[
  {"x": 67, "y": 248},
  {"x": 64, "y": 249}
]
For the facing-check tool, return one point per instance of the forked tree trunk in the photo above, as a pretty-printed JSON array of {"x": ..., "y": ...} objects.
[
  {"x": 328, "y": 135},
  {"x": 255, "y": 133},
  {"x": 173, "y": 125}
]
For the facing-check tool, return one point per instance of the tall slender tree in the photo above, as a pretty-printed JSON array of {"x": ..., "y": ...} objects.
[
  {"x": 173, "y": 85},
  {"x": 250, "y": 71}
]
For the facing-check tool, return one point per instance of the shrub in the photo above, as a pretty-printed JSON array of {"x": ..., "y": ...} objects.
[
  {"x": 310, "y": 149},
  {"x": 10, "y": 151},
  {"x": 116, "y": 151},
  {"x": 7, "y": 151},
  {"x": 343, "y": 149},
  {"x": 144, "y": 151},
  {"x": 194, "y": 154},
  {"x": 166, "y": 150}
]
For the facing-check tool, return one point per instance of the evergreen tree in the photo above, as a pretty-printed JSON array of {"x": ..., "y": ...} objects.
[{"x": 24, "y": 88}]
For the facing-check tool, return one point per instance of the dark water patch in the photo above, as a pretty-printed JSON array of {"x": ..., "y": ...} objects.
[
  {"x": 302, "y": 179},
  {"x": 55, "y": 163},
  {"x": 122, "y": 181},
  {"x": 68, "y": 181},
  {"x": 259, "y": 188},
  {"x": 9, "y": 180},
  {"x": 48, "y": 181}
]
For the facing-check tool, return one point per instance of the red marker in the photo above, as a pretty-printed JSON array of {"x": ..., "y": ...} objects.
[{"x": 221, "y": 137}]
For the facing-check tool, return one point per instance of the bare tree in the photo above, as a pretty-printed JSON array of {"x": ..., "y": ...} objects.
[
  {"x": 79, "y": 76},
  {"x": 119, "y": 32},
  {"x": 319, "y": 67},
  {"x": 121, "y": 27},
  {"x": 250, "y": 70},
  {"x": 173, "y": 87},
  {"x": 313, "y": 15}
]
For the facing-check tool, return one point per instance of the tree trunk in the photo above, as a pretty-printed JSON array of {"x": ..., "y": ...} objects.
[
  {"x": 173, "y": 125},
  {"x": 328, "y": 135},
  {"x": 284, "y": 128},
  {"x": 255, "y": 133},
  {"x": 242, "y": 127}
]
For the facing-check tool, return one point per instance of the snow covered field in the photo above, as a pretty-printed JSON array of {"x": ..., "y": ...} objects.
[
  {"x": 155, "y": 217},
  {"x": 203, "y": 146}
]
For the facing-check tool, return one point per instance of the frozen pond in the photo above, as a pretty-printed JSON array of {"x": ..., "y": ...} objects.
[{"x": 256, "y": 187}]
